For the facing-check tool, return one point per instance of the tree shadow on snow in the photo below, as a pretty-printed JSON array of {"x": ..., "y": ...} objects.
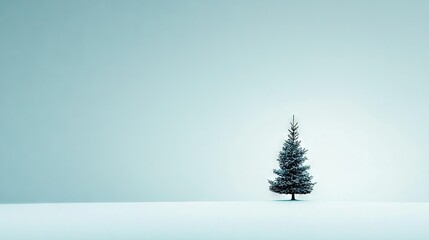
[{"x": 288, "y": 200}]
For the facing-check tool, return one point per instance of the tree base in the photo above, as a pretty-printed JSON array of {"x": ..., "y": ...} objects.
[{"x": 293, "y": 197}]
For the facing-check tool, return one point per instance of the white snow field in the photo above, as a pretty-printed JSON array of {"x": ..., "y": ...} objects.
[{"x": 215, "y": 220}]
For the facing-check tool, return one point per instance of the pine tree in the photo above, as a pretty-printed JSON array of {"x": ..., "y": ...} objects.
[{"x": 293, "y": 177}]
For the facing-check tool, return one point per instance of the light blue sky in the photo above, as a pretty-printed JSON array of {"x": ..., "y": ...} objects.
[{"x": 191, "y": 100}]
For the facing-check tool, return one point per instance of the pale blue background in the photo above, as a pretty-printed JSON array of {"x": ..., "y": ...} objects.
[{"x": 190, "y": 100}]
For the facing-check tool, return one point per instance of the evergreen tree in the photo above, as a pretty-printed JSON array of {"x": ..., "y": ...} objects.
[{"x": 293, "y": 177}]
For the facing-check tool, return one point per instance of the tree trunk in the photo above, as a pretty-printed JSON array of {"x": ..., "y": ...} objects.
[{"x": 293, "y": 196}]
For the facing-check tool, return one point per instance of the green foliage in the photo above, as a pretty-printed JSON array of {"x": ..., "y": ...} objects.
[{"x": 292, "y": 176}]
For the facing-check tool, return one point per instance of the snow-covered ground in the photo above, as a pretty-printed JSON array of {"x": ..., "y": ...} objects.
[{"x": 215, "y": 220}]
